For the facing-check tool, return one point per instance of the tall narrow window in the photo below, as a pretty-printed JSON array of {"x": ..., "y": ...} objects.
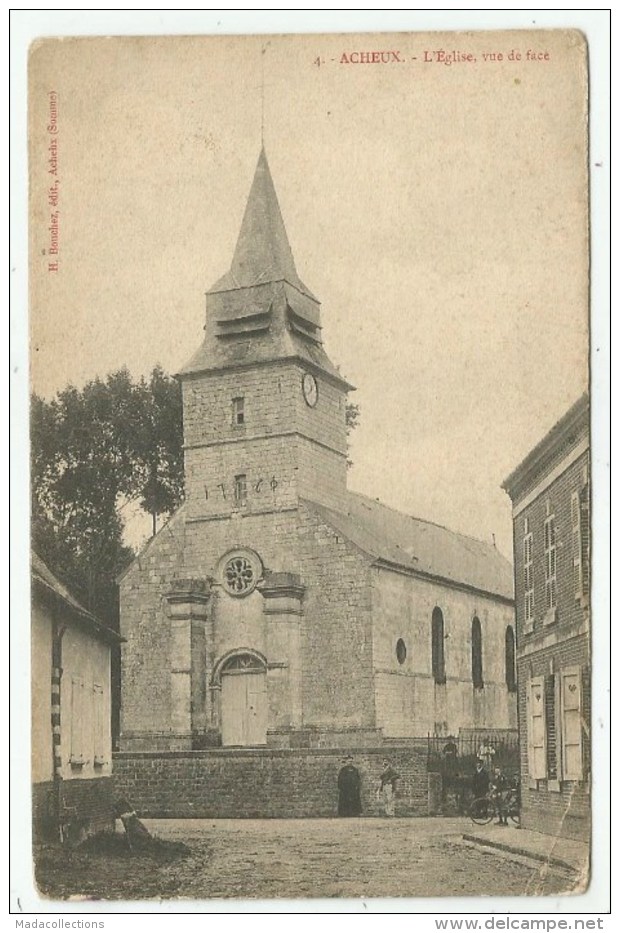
[
  {"x": 528, "y": 577},
  {"x": 437, "y": 647},
  {"x": 550, "y": 562},
  {"x": 584, "y": 528},
  {"x": 241, "y": 489},
  {"x": 575, "y": 517},
  {"x": 511, "y": 672},
  {"x": 476, "y": 653},
  {"x": 238, "y": 405}
]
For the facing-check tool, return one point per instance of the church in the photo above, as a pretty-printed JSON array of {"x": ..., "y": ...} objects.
[{"x": 277, "y": 609}]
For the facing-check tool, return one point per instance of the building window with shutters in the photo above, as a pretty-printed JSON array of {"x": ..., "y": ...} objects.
[
  {"x": 528, "y": 579},
  {"x": 536, "y": 729},
  {"x": 510, "y": 660},
  {"x": 437, "y": 647},
  {"x": 476, "y": 654},
  {"x": 550, "y": 568},
  {"x": 575, "y": 515}
]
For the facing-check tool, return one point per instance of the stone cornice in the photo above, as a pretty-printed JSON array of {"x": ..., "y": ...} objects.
[
  {"x": 276, "y": 361},
  {"x": 282, "y": 585},
  {"x": 244, "y": 439},
  {"x": 385, "y": 564}
]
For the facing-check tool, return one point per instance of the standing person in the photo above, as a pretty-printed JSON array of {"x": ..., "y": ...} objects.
[
  {"x": 501, "y": 792},
  {"x": 486, "y": 752},
  {"x": 349, "y": 785},
  {"x": 387, "y": 787},
  {"x": 480, "y": 780}
]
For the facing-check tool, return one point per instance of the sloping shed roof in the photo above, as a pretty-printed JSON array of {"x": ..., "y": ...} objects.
[
  {"x": 420, "y": 546},
  {"x": 42, "y": 576}
]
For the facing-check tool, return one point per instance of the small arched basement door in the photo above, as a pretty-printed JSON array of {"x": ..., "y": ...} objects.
[{"x": 244, "y": 701}]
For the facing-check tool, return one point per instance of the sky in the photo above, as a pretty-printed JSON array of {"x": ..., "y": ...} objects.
[{"x": 439, "y": 212}]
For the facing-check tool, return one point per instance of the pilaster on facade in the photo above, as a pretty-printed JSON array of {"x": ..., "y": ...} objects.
[
  {"x": 187, "y": 609},
  {"x": 283, "y": 607}
]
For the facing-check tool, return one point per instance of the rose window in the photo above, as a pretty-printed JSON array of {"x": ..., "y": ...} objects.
[{"x": 239, "y": 576}]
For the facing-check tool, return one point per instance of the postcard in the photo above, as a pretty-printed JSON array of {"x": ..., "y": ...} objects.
[{"x": 311, "y": 471}]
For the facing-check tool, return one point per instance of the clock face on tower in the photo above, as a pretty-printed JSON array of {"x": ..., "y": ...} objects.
[{"x": 310, "y": 389}]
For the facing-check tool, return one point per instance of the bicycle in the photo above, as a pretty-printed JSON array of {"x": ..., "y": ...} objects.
[{"x": 483, "y": 809}]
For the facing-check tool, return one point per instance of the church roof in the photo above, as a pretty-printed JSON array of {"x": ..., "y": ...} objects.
[
  {"x": 420, "y": 546},
  {"x": 263, "y": 253}
]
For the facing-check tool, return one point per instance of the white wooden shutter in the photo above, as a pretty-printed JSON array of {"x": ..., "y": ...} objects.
[
  {"x": 77, "y": 720},
  {"x": 572, "y": 758},
  {"x": 537, "y": 746},
  {"x": 99, "y": 726}
]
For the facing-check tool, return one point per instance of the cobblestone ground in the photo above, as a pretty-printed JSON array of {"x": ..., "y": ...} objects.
[{"x": 355, "y": 858}]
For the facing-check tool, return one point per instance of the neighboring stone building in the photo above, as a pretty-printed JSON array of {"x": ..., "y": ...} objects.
[
  {"x": 550, "y": 492},
  {"x": 71, "y": 724},
  {"x": 276, "y": 608}
]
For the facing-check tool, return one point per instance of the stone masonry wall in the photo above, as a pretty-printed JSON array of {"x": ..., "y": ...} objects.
[
  {"x": 337, "y": 686},
  {"x": 145, "y": 655},
  {"x": 408, "y": 700},
  {"x": 336, "y": 642},
  {"x": 268, "y": 448},
  {"x": 88, "y": 807},
  {"x": 252, "y": 783}
]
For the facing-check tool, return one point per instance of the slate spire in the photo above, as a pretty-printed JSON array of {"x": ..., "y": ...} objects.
[{"x": 263, "y": 253}]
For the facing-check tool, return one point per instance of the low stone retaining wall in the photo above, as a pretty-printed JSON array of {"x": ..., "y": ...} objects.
[
  {"x": 263, "y": 783},
  {"x": 87, "y": 807}
]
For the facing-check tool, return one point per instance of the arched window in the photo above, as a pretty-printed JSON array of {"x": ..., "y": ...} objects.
[
  {"x": 511, "y": 672},
  {"x": 476, "y": 653},
  {"x": 438, "y": 658}
]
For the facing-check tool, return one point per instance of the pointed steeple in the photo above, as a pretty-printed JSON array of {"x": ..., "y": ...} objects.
[
  {"x": 263, "y": 253},
  {"x": 261, "y": 311}
]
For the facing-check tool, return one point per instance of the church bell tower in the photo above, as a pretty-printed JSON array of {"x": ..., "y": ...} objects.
[{"x": 264, "y": 408}]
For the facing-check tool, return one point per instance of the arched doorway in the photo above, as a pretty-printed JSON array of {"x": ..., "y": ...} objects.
[{"x": 244, "y": 700}]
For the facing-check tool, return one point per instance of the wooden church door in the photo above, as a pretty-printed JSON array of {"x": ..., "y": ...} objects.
[{"x": 244, "y": 702}]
